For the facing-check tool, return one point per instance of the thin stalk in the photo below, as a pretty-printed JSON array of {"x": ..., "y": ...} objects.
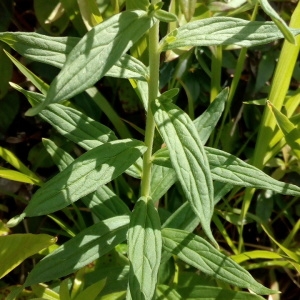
[
  {"x": 216, "y": 69},
  {"x": 154, "y": 59},
  {"x": 279, "y": 88},
  {"x": 235, "y": 81}
]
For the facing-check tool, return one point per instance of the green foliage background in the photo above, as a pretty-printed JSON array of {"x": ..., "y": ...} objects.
[{"x": 138, "y": 156}]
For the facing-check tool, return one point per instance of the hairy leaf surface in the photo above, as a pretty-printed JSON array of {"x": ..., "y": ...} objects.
[
  {"x": 91, "y": 170},
  {"x": 197, "y": 252},
  {"x": 223, "y": 31},
  {"x": 188, "y": 159},
  {"x": 84, "y": 248},
  {"x": 144, "y": 250},
  {"x": 95, "y": 54}
]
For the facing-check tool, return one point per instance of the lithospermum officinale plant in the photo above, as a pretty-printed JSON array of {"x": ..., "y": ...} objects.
[{"x": 205, "y": 174}]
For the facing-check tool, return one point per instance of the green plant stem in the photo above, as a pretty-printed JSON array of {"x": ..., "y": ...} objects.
[
  {"x": 154, "y": 59},
  {"x": 279, "y": 88},
  {"x": 235, "y": 81},
  {"x": 216, "y": 68}
]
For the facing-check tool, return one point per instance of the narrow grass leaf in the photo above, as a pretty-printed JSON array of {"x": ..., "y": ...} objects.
[
  {"x": 104, "y": 203},
  {"x": 256, "y": 254},
  {"x": 200, "y": 292},
  {"x": 290, "y": 131},
  {"x": 86, "y": 247},
  {"x": 144, "y": 250},
  {"x": 95, "y": 54},
  {"x": 267, "y": 8},
  {"x": 9, "y": 157},
  {"x": 10, "y": 245},
  {"x": 17, "y": 176},
  {"x": 223, "y": 31},
  {"x": 36, "y": 81},
  {"x": 198, "y": 253},
  {"x": 54, "y": 51},
  {"x": 91, "y": 170},
  {"x": 188, "y": 159}
]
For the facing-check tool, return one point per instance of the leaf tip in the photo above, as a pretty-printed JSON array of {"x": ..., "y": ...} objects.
[{"x": 15, "y": 220}]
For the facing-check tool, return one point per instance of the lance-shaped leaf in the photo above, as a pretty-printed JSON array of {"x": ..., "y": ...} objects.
[
  {"x": 198, "y": 253},
  {"x": 144, "y": 250},
  {"x": 76, "y": 126},
  {"x": 188, "y": 158},
  {"x": 207, "y": 121},
  {"x": 54, "y": 50},
  {"x": 104, "y": 203},
  {"x": 277, "y": 20},
  {"x": 223, "y": 31},
  {"x": 91, "y": 170},
  {"x": 290, "y": 130},
  {"x": 84, "y": 248},
  {"x": 201, "y": 292},
  {"x": 95, "y": 54},
  {"x": 230, "y": 169}
]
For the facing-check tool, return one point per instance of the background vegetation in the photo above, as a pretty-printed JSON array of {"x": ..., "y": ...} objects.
[{"x": 259, "y": 229}]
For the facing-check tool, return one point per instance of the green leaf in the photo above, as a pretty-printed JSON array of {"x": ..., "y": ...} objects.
[
  {"x": 54, "y": 51},
  {"x": 10, "y": 245},
  {"x": 188, "y": 8},
  {"x": 200, "y": 292},
  {"x": 95, "y": 54},
  {"x": 42, "y": 11},
  {"x": 90, "y": 13},
  {"x": 291, "y": 132},
  {"x": 25, "y": 173},
  {"x": 165, "y": 16},
  {"x": 208, "y": 120},
  {"x": 144, "y": 250},
  {"x": 16, "y": 176},
  {"x": 91, "y": 170},
  {"x": 228, "y": 168},
  {"x": 87, "y": 246},
  {"x": 167, "y": 293},
  {"x": 288, "y": 34},
  {"x": 198, "y": 253},
  {"x": 188, "y": 159},
  {"x": 104, "y": 203},
  {"x": 77, "y": 127},
  {"x": 256, "y": 254},
  {"x": 92, "y": 291},
  {"x": 37, "y": 82},
  {"x": 222, "y": 31}
]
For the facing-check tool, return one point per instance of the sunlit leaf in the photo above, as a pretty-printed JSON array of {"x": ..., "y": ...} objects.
[
  {"x": 197, "y": 252},
  {"x": 291, "y": 132},
  {"x": 95, "y": 54},
  {"x": 104, "y": 203},
  {"x": 91, "y": 170},
  {"x": 201, "y": 292},
  {"x": 223, "y": 31},
  {"x": 9, "y": 157},
  {"x": 87, "y": 246},
  {"x": 10, "y": 245},
  {"x": 277, "y": 20},
  {"x": 188, "y": 159},
  {"x": 144, "y": 250}
]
